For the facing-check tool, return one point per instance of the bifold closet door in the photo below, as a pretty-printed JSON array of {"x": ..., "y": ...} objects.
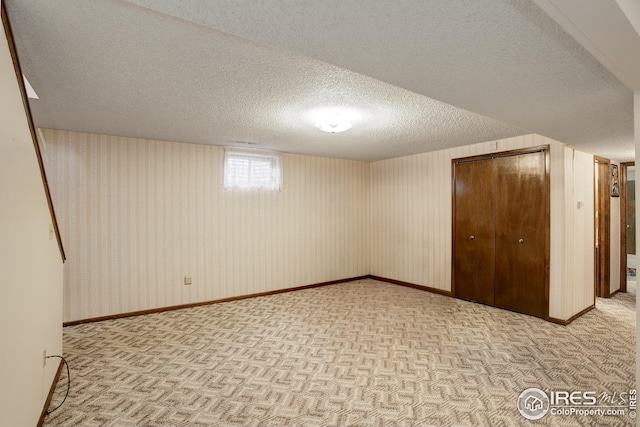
[
  {"x": 521, "y": 195},
  {"x": 474, "y": 231}
]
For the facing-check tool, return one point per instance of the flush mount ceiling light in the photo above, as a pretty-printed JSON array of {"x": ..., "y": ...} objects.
[{"x": 333, "y": 123}]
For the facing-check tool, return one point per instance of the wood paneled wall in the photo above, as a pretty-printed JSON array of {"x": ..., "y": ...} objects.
[
  {"x": 138, "y": 215},
  {"x": 411, "y": 212},
  {"x": 411, "y": 219}
]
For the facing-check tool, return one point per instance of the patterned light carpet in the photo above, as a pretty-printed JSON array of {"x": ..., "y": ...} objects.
[{"x": 363, "y": 353}]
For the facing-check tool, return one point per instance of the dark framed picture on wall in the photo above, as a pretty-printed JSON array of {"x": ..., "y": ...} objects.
[{"x": 615, "y": 181}]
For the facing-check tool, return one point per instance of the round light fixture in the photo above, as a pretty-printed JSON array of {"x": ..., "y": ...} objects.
[{"x": 333, "y": 124}]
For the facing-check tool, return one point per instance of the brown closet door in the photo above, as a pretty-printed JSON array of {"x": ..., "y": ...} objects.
[
  {"x": 521, "y": 194},
  {"x": 474, "y": 207}
]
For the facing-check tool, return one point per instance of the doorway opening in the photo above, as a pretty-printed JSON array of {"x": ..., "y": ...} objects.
[
  {"x": 602, "y": 214},
  {"x": 628, "y": 260}
]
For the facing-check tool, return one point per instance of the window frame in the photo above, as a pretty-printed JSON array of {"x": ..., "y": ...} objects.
[{"x": 275, "y": 168}]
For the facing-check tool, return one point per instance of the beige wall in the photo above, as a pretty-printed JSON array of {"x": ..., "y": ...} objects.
[
  {"x": 411, "y": 212},
  {"x": 579, "y": 243},
  {"x": 411, "y": 218},
  {"x": 134, "y": 222},
  {"x": 30, "y": 265},
  {"x": 138, "y": 215}
]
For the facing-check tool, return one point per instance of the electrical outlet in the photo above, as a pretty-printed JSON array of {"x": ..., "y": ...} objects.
[
  {"x": 44, "y": 357},
  {"x": 187, "y": 280}
]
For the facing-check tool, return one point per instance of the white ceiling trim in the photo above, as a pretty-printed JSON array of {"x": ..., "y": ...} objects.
[{"x": 609, "y": 32}]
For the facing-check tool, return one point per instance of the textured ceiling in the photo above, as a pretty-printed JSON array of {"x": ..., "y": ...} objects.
[
  {"x": 214, "y": 72},
  {"x": 608, "y": 30}
]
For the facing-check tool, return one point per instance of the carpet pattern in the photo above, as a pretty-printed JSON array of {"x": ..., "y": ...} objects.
[{"x": 363, "y": 353}]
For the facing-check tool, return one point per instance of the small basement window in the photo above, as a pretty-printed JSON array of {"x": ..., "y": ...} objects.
[{"x": 252, "y": 170}]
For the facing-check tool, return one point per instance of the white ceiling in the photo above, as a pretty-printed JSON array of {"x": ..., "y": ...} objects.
[
  {"x": 609, "y": 30},
  {"x": 212, "y": 72}
]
